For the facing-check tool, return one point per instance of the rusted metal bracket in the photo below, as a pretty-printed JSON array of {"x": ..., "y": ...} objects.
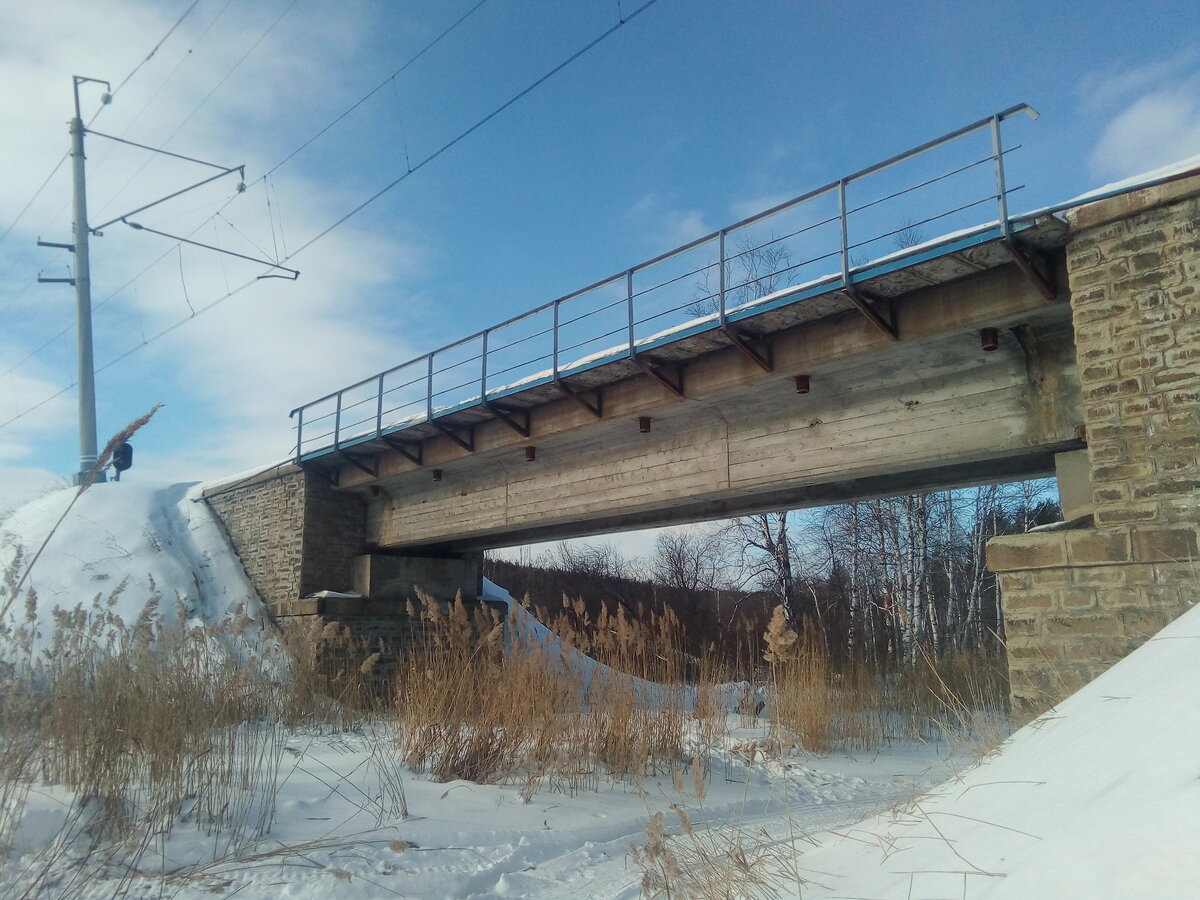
[
  {"x": 863, "y": 301},
  {"x": 403, "y": 448},
  {"x": 1025, "y": 261},
  {"x": 467, "y": 443},
  {"x": 320, "y": 473},
  {"x": 743, "y": 343},
  {"x": 511, "y": 416},
  {"x": 655, "y": 370},
  {"x": 357, "y": 461},
  {"x": 596, "y": 409}
]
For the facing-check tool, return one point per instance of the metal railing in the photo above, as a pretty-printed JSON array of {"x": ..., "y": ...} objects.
[{"x": 822, "y": 240}]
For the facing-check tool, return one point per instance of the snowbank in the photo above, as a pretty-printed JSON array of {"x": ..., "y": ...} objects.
[
  {"x": 121, "y": 546},
  {"x": 1099, "y": 798}
]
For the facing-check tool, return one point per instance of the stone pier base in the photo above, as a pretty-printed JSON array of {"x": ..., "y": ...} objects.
[{"x": 1076, "y": 601}]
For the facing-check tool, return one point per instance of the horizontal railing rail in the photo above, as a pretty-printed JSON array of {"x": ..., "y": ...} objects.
[{"x": 819, "y": 238}]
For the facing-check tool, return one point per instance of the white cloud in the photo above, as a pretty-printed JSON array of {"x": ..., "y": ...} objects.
[
  {"x": 1105, "y": 90},
  {"x": 752, "y": 206},
  {"x": 1154, "y": 130},
  {"x": 228, "y": 376},
  {"x": 667, "y": 226},
  {"x": 1146, "y": 116}
]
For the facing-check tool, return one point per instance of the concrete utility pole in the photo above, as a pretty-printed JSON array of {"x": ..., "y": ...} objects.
[
  {"x": 83, "y": 296},
  {"x": 83, "y": 274}
]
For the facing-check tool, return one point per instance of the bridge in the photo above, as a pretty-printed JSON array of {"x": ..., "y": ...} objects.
[{"x": 820, "y": 351}]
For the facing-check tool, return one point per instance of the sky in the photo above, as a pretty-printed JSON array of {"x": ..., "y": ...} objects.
[{"x": 686, "y": 118}]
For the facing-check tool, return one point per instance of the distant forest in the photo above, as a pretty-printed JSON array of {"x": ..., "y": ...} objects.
[{"x": 880, "y": 581}]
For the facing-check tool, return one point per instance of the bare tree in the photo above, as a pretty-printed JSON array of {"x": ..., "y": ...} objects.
[
  {"x": 767, "y": 554},
  {"x": 693, "y": 559},
  {"x": 752, "y": 271}
]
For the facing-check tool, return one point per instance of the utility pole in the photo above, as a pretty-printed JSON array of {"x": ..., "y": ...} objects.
[
  {"x": 82, "y": 282},
  {"x": 83, "y": 273},
  {"x": 83, "y": 295}
]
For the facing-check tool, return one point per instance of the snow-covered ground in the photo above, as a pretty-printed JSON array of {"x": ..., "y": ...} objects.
[{"x": 1098, "y": 799}]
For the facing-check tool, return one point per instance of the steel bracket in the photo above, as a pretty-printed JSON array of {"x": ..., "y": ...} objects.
[
  {"x": 1034, "y": 270},
  {"x": 596, "y": 409},
  {"x": 515, "y": 417},
  {"x": 658, "y": 370},
  {"x": 744, "y": 342},
  {"x": 863, "y": 301},
  {"x": 356, "y": 459},
  {"x": 321, "y": 473},
  {"x": 404, "y": 449},
  {"x": 467, "y": 443}
]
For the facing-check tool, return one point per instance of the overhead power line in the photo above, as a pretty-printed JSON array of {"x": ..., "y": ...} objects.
[
  {"x": 217, "y": 301},
  {"x": 154, "y": 49},
  {"x": 375, "y": 90},
  {"x": 479, "y": 124},
  {"x": 124, "y": 81}
]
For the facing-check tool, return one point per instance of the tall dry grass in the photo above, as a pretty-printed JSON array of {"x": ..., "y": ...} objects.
[
  {"x": 153, "y": 726},
  {"x": 482, "y": 697}
]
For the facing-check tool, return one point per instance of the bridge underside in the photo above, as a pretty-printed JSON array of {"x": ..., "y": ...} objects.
[{"x": 881, "y": 416}]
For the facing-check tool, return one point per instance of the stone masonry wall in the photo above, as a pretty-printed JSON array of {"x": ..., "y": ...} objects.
[
  {"x": 334, "y": 534},
  {"x": 265, "y": 521},
  {"x": 1076, "y": 601},
  {"x": 294, "y": 533}
]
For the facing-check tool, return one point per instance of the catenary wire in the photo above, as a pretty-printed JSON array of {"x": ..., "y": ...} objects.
[{"x": 345, "y": 218}]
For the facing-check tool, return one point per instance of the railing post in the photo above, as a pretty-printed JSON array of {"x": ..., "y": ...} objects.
[
  {"x": 337, "y": 422},
  {"x": 483, "y": 372},
  {"x": 554, "y": 338},
  {"x": 845, "y": 233},
  {"x": 299, "y": 434},
  {"x": 429, "y": 390},
  {"x": 721, "y": 276},
  {"x": 379, "y": 408},
  {"x": 629, "y": 306},
  {"x": 1001, "y": 190}
]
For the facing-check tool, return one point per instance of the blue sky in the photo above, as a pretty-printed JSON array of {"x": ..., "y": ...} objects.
[{"x": 689, "y": 117}]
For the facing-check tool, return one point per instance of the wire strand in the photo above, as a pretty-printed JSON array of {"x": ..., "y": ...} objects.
[
  {"x": 371, "y": 93},
  {"x": 428, "y": 159}
]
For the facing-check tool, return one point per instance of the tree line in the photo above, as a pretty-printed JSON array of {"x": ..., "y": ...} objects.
[{"x": 883, "y": 581}]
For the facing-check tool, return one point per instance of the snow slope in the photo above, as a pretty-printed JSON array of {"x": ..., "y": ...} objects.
[
  {"x": 121, "y": 545},
  {"x": 1099, "y": 798}
]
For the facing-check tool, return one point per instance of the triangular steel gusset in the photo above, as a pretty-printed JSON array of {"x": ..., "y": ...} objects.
[
  {"x": 358, "y": 460},
  {"x": 658, "y": 371},
  {"x": 406, "y": 449},
  {"x": 321, "y": 472},
  {"x": 467, "y": 443},
  {"x": 745, "y": 342},
  {"x": 866, "y": 304},
  {"x": 596, "y": 409},
  {"x": 1034, "y": 269},
  {"x": 515, "y": 417}
]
